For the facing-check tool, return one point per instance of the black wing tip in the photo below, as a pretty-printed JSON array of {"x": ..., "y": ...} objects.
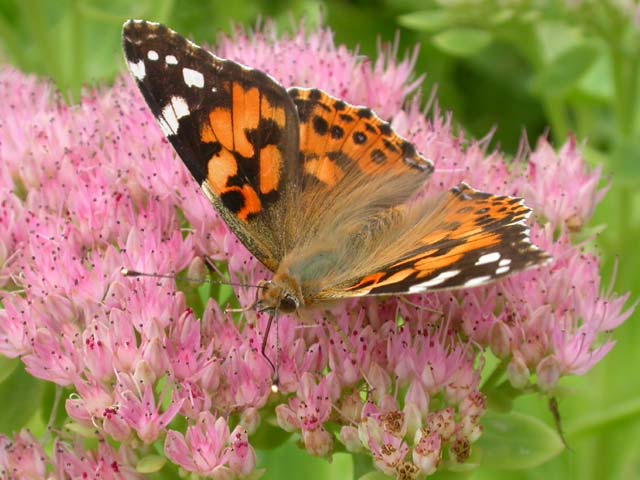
[{"x": 133, "y": 30}]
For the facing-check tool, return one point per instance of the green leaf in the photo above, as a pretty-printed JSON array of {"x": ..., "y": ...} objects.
[
  {"x": 7, "y": 366},
  {"x": 21, "y": 395},
  {"x": 294, "y": 463},
  {"x": 566, "y": 70},
  {"x": 451, "y": 475},
  {"x": 427, "y": 20},
  {"x": 516, "y": 441},
  {"x": 462, "y": 42},
  {"x": 500, "y": 398},
  {"x": 150, "y": 464},
  {"x": 269, "y": 437},
  {"x": 626, "y": 161},
  {"x": 616, "y": 414}
]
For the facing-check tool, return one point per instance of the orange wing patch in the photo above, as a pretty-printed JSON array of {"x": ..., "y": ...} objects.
[
  {"x": 246, "y": 161},
  {"x": 270, "y": 165},
  {"x": 337, "y": 137}
]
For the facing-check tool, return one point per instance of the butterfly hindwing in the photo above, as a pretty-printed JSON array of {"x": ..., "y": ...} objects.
[
  {"x": 235, "y": 128},
  {"x": 464, "y": 239}
]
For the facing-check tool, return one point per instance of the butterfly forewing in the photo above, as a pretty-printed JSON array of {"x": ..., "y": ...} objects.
[
  {"x": 342, "y": 144},
  {"x": 235, "y": 128}
]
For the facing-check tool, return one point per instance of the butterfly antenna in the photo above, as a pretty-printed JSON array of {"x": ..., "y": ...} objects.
[
  {"x": 125, "y": 272},
  {"x": 263, "y": 351},
  {"x": 406, "y": 301},
  {"x": 276, "y": 375},
  {"x": 238, "y": 310}
]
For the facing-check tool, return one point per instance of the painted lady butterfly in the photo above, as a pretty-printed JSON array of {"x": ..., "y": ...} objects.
[{"x": 317, "y": 189}]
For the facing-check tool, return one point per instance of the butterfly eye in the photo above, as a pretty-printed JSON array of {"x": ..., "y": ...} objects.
[{"x": 288, "y": 304}]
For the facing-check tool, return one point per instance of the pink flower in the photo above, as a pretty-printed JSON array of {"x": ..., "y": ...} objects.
[
  {"x": 308, "y": 411},
  {"x": 91, "y": 188},
  {"x": 560, "y": 187},
  {"x": 73, "y": 461},
  {"x": 139, "y": 409},
  {"x": 388, "y": 450},
  {"x": 204, "y": 449},
  {"x": 16, "y": 330},
  {"x": 22, "y": 458}
]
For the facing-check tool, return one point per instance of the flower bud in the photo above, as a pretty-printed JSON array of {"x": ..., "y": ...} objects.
[
  {"x": 548, "y": 372},
  {"x": 351, "y": 407},
  {"x": 349, "y": 436},
  {"x": 517, "y": 371},
  {"x": 287, "y": 419},
  {"x": 441, "y": 422},
  {"x": 380, "y": 382},
  {"x": 460, "y": 449},
  {"x": 317, "y": 442},
  {"x": 500, "y": 340},
  {"x": 474, "y": 404},
  {"x": 428, "y": 452},
  {"x": 144, "y": 374},
  {"x": 197, "y": 269},
  {"x": 250, "y": 419}
]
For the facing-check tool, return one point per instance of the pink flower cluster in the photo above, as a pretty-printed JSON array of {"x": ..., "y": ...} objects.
[{"x": 89, "y": 188}]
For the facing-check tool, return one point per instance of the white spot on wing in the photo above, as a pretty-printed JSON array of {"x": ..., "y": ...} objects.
[
  {"x": 171, "y": 114},
  {"x": 477, "y": 281},
  {"x": 166, "y": 130},
  {"x": 170, "y": 60},
  {"x": 501, "y": 270},
  {"x": 137, "y": 69},
  {"x": 152, "y": 55},
  {"x": 504, "y": 262},
  {"x": 437, "y": 280},
  {"x": 192, "y": 78},
  {"x": 488, "y": 258}
]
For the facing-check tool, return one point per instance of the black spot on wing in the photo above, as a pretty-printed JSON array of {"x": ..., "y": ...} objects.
[
  {"x": 320, "y": 125},
  {"x": 233, "y": 201},
  {"x": 336, "y": 132},
  {"x": 359, "y": 138}
]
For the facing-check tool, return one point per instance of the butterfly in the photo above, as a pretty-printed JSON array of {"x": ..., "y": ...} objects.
[{"x": 324, "y": 193}]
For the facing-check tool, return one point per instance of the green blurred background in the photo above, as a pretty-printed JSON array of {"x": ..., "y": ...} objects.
[{"x": 525, "y": 68}]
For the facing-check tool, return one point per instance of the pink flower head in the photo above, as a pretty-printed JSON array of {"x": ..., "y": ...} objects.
[
  {"x": 91, "y": 188},
  {"x": 22, "y": 458},
  {"x": 208, "y": 450},
  {"x": 73, "y": 461},
  {"x": 138, "y": 407},
  {"x": 308, "y": 412},
  {"x": 560, "y": 187}
]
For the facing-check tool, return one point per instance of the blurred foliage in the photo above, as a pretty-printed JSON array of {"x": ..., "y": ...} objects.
[{"x": 519, "y": 66}]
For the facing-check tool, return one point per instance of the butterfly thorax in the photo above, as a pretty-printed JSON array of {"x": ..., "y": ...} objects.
[{"x": 281, "y": 294}]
